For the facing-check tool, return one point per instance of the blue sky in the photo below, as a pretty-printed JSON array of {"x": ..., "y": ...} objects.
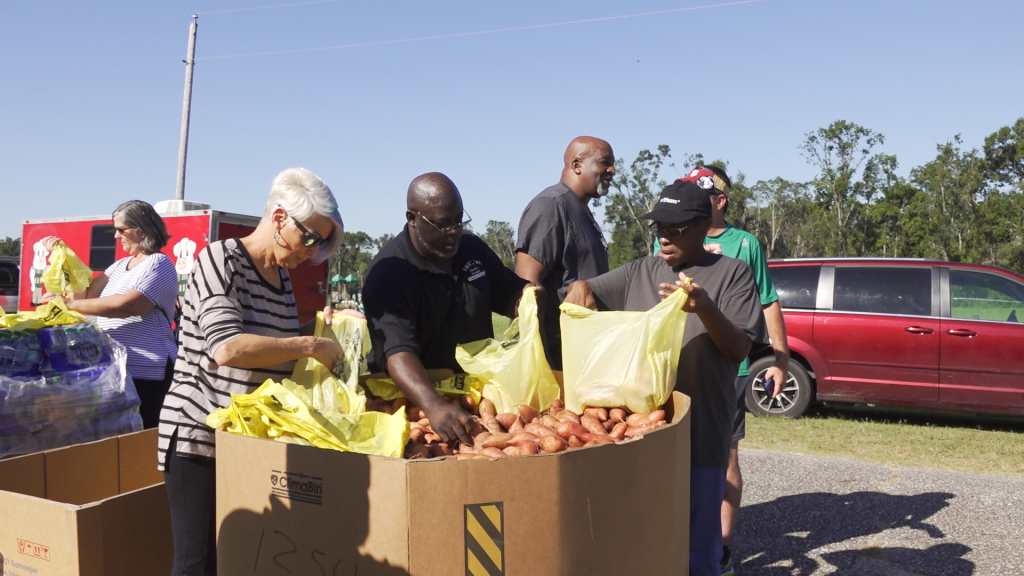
[{"x": 90, "y": 103}]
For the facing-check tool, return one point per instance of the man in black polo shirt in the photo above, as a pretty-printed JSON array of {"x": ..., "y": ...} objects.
[{"x": 430, "y": 289}]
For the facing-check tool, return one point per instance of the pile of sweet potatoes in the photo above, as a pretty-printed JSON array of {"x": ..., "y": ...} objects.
[{"x": 526, "y": 431}]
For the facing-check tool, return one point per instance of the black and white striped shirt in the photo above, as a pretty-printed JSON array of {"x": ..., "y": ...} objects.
[{"x": 226, "y": 297}]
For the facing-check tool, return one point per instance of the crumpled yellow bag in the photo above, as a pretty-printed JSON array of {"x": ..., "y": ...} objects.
[
  {"x": 337, "y": 393},
  {"x": 284, "y": 412},
  {"x": 67, "y": 273},
  {"x": 53, "y": 313},
  {"x": 514, "y": 371},
  {"x": 629, "y": 359},
  {"x": 386, "y": 389}
]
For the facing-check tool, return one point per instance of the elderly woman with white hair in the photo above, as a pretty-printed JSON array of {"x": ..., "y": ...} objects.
[{"x": 239, "y": 327}]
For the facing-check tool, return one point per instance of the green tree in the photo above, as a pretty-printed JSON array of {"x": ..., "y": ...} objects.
[
  {"x": 840, "y": 152},
  {"x": 502, "y": 239},
  {"x": 1004, "y": 154},
  {"x": 354, "y": 256},
  {"x": 10, "y": 246},
  {"x": 382, "y": 240},
  {"x": 634, "y": 190}
]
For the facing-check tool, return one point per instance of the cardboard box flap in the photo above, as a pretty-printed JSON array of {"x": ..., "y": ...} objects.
[
  {"x": 82, "y": 473},
  {"x": 24, "y": 475},
  {"x": 137, "y": 458}
]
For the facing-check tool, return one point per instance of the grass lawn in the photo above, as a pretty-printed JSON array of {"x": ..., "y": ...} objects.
[{"x": 964, "y": 443}]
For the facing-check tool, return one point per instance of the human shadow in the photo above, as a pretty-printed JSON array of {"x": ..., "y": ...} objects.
[
  {"x": 777, "y": 537},
  {"x": 317, "y": 520}
]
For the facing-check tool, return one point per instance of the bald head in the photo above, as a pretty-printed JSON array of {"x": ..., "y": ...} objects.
[
  {"x": 589, "y": 167},
  {"x": 432, "y": 191}
]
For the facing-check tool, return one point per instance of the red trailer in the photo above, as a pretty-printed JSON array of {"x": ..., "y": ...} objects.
[{"x": 192, "y": 227}]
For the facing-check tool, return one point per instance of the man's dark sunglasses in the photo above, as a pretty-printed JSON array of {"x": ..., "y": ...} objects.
[
  {"x": 309, "y": 238},
  {"x": 671, "y": 232}
]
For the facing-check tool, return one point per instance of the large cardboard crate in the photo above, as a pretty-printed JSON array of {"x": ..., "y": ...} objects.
[
  {"x": 96, "y": 509},
  {"x": 613, "y": 509}
]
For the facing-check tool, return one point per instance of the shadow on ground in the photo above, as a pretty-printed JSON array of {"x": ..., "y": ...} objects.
[{"x": 778, "y": 537}]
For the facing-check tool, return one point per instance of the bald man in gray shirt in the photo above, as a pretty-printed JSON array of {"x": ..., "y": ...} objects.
[{"x": 559, "y": 239}]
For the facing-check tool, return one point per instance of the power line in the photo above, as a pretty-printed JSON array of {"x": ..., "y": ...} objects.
[{"x": 462, "y": 34}]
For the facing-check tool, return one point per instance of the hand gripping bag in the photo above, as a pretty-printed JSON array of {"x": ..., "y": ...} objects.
[
  {"x": 341, "y": 392},
  {"x": 513, "y": 371},
  {"x": 629, "y": 359},
  {"x": 67, "y": 274}
]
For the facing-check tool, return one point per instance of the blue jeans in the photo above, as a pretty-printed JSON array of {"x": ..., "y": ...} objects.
[{"x": 707, "y": 489}]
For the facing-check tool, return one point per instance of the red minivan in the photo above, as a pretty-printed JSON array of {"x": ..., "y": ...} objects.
[{"x": 897, "y": 332}]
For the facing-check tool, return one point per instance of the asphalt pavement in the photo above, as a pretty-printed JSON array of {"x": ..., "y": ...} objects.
[{"x": 812, "y": 515}]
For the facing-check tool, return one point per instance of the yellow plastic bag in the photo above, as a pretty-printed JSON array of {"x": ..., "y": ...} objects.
[
  {"x": 458, "y": 384},
  {"x": 626, "y": 359},
  {"x": 515, "y": 370},
  {"x": 337, "y": 393},
  {"x": 284, "y": 412},
  {"x": 53, "y": 313},
  {"x": 67, "y": 274}
]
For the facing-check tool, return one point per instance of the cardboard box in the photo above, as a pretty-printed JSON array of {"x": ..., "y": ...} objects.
[
  {"x": 96, "y": 509},
  {"x": 614, "y": 509}
]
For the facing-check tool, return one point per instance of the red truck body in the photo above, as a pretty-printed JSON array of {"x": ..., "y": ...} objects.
[{"x": 92, "y": 239}]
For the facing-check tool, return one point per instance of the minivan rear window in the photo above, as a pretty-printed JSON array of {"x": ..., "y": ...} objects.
[
  {"x": 883, "y": 290},
  {"x": 797, "y": 286}
]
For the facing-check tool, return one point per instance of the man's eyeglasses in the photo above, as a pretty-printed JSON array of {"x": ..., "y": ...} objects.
[
  {"x": 309, "y": 238},
  {"x": 447, "y": 229},
  {"x": 671, "y": 232}
]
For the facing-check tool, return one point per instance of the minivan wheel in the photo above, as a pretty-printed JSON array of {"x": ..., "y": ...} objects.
[{"x": 796, "y": 393}]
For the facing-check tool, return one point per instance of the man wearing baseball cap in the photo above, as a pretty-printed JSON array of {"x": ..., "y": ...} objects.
[
  {"x": 724, "y": 238},
  {"x": 724, "y": 323}
]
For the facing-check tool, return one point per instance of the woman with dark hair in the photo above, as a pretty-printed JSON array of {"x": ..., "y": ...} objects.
[{"x": 133, "y": 300}]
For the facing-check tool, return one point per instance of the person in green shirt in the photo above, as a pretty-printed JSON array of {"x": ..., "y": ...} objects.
[{"x": 724, "y": 238}]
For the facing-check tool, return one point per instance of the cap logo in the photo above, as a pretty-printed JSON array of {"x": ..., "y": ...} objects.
[
  {"x": 694, "y": 172},
  {"x": 669, "y": 200},
  {"x": 706, "y": 182}
]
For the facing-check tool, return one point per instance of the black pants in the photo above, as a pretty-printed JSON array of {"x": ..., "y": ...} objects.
[
  {"x": 191, "y": 491},
  {"x": 151, "y": 395}
]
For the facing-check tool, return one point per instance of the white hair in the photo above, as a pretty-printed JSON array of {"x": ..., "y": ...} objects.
[{"x": 302, "y": 194}]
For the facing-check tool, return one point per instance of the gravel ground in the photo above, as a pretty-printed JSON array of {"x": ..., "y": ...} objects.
[{"x": 812, "y": 515}]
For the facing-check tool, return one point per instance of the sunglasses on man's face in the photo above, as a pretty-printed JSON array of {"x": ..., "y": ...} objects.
[
  {"x": 671, "y": 231},
  {"x": 310, "y": 239}
]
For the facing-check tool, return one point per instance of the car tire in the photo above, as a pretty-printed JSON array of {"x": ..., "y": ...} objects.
[{"x": 796, "y": 396}]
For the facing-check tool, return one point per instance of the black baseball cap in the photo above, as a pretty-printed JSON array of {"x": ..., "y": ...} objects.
[{"x": 680, "y": 201}]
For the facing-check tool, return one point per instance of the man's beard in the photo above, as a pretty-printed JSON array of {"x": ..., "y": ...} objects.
[
  {"x": 602, "y": 189},
  {"x": 431, "y": 249}
]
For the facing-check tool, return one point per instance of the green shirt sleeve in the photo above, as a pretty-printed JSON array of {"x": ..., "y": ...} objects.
[{"x": 759, "y": 266}]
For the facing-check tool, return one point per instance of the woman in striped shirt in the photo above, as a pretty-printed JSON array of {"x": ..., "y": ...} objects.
[
  {"x": 239, "y": 327},
  {"x": 133, "y": 300}
]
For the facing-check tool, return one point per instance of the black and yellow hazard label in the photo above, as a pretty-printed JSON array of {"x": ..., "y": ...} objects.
[{"x": 485, "y": 539}]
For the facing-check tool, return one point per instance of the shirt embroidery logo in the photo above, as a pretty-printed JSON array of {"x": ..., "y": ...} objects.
[
  {"x": 669, "y": 200},
  {"x": 474, "y": 269}
]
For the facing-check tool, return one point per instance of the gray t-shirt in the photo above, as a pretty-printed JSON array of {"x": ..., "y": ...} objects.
[
  {"x": 560, "y": 232},
  {"x": 705, "y": 374}
]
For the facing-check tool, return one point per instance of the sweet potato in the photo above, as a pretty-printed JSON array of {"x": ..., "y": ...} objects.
[
  {"x": 511, "y": 450},
  {"x": 487, "y": 409},
  {"x": 609, "y": 424},
  {"x": 597, "y": 412},
  {"x": 414, "y": 451},
  {"x": 656, "y": 416},
  {"x": 499, "y": 441},
  {"x": 528, "y": 448},
  {"x": 592, "y": 424},
  {"x": 635, "y": 431},
  {"x": 416, "y": 434},
  {"x": 517, "y": 426},
  {"x": 567, "y": 429},
  {"x": 636, "y": 419},
  {"x": 549, "y": 421},
  {"x": 619, "y": 431},
  {"x": 556, "y": 406},
  {"x": 492, "y": 425},
  {"x": 539, "y": 430},
  {"x": 552, "y": 444},
  {"x": 425, "y": 422},
  {"x": 469, "y": 456},
  {"x": 493, "y": 453},
  {"x": 599, "y": 440},
  {"x": 431, "y": 437},
  {"x": 527, "y": 413},
  {"x": 506, "y": 419},
  {"x": 479, "y": 440},
  {"x": 464, "y": 449},
  {"x": 575, "y": 442},
  {"x": 617, "y": 415},
  {"x": 414, "y": 413},
  {"x": 568, "y": 416},
  {"x": 443, "y": 449}
]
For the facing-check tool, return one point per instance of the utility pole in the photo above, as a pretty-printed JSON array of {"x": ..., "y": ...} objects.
[{"x": 186, "y": 107}]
